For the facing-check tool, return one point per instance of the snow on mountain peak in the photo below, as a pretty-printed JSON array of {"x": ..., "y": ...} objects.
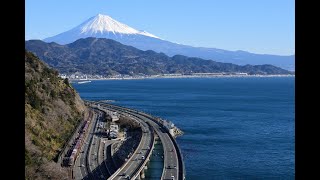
[
  {"x": 105, "y": 24},
  {"x": 148, "y": 34}
]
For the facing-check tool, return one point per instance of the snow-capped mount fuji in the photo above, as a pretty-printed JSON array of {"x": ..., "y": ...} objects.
[{"x": 103, "y": 26}]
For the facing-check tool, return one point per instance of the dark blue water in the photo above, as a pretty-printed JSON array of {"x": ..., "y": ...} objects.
[{"x": 235, "y": 128}]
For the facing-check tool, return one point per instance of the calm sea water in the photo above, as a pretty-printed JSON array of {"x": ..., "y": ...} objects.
[{"x": 235, "y": 128}]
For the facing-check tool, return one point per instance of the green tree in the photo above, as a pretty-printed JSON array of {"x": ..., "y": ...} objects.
[{"x": 66, "y": 81}]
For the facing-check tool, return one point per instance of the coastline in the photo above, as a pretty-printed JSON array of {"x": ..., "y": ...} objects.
[{"x": 183, "y": 76}]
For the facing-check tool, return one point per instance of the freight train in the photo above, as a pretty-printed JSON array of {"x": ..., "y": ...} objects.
[{"x": 79, "y": 140}]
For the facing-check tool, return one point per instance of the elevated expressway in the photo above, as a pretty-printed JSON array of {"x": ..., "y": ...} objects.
[
  {"x": 91, "y": 161},
  {"x": 134, "y": 167}
]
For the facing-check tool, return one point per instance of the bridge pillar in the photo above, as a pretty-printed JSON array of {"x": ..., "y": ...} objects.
[
  {"x": 139, "y": 177},
  {"x": 142, "y": 175}
]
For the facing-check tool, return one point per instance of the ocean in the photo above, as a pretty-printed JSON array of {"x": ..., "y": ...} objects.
[{"x": 234, "y": 128}]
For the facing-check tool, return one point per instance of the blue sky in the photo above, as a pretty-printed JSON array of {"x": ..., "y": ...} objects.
[{"x": 258, "y": 26}]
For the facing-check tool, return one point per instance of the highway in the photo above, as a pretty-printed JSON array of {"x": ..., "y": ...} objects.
[
  {"x": 91, "y": 162},
  {"x": 170, "y": 154},
  {"x": 98, "y": 171},
  {"x": 172, "y": 170},
  {"x": 141, "y": 153}
]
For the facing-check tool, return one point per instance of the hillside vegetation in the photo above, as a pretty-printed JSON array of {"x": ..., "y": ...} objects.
[
  {"x": 102, "y": 56},
  {"x": 52, "y": 111}
]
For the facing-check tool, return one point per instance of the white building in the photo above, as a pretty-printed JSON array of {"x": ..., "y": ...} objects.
[
  {"x": 113, "y": 135},
  {"x": 175, "y": 74},
  {"x": 114, "y": 129},
  {"x": 207, "y": 74},
  {"x": 63, "y": 76},
  {"x": 113, "y": 116},
  {"x": 170, "y": 126},
  {"x": 245, "y": 74}
]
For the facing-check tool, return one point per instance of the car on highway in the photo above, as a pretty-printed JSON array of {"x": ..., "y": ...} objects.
[
  {"x": 172, "y": 177},
  {"x": 142, "y": 157}
]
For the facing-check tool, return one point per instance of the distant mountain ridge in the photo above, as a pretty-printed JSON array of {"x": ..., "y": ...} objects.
[
  {"x": 103, "y": 26},
  {"x": 107, "y": 57}
]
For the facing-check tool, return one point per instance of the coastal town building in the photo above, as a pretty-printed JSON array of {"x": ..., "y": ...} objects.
[
  {"x": 170, "y": 126},
  {"x": 113, "y": 132},
  {"x": 112, "y": 116},
  {"x": 75, "y": 77}
]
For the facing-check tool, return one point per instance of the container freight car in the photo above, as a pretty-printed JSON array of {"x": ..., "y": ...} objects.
[{"x": 79, "y": 140}]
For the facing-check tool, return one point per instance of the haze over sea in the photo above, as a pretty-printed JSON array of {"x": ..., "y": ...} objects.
[{"x": 235, "y": 128}]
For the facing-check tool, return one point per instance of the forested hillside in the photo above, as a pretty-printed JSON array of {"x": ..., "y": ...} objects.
[{"x": 52, "y": 111}]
